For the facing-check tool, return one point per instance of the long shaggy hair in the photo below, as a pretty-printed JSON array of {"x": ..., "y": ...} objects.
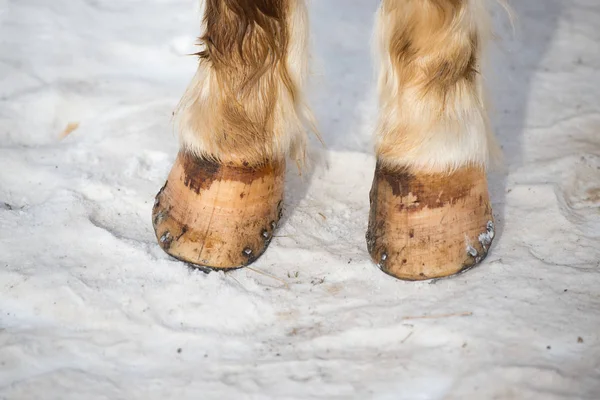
[
  {"x": 245, "y": 102},
  {"x": 433, "y": 114}
]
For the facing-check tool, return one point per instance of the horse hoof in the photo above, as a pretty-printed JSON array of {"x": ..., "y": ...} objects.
[
  {"x": 424, "y": 226},
  {"x": 220, "y": 216}
]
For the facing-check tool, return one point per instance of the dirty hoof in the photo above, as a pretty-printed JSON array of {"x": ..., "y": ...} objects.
[
  {"x": 424, "y": 226},
  {"x": 215, "y": 215}
]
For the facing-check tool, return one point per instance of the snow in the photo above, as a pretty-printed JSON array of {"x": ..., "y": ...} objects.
[{"x": 91, "y": 307}]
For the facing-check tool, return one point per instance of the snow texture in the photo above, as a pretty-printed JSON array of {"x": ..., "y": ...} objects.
[{"x": 91, "y": 307}]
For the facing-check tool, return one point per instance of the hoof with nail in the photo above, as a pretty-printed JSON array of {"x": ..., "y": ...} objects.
[
  {"x": 220, "y": 216},
  {"x": 424, "y": 226}
]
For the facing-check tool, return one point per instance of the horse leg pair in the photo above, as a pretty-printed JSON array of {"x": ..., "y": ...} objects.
[{"x": 244, "y": 115}]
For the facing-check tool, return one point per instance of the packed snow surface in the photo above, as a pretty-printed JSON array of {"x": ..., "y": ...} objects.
[{"x": 91, "y": 307}]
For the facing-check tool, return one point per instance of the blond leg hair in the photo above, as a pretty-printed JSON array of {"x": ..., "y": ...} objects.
[
  {"x": 433, "y": 116},
  {"x": 245, "y": 103}
]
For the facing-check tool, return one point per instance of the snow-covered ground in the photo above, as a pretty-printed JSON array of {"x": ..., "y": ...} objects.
[{"x": 91, "y": 308}]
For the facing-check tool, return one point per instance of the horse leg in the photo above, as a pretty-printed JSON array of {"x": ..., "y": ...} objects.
[
  {"x": 430, "y": 210},
  {"x": 238, "y": 121}
]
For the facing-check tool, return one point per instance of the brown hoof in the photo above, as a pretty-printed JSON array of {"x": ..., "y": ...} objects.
[
  {"x": 424, "y": 226},
  {"x": 218, "y": 216}
]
